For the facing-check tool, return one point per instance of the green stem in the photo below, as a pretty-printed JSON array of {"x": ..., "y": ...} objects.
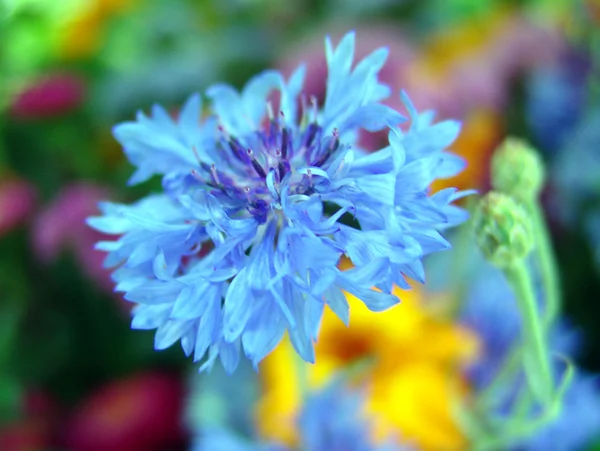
[
  {"x": 547, "y": 263},
  {"x": 460, "y": 263},
  {"x": 535, "y": 352}
]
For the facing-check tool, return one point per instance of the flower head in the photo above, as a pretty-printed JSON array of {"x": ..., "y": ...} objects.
[
  {"x": 517, "y": 169},
  {"x": 502, "y": 229},
  {"x": 261, "y": 203}
]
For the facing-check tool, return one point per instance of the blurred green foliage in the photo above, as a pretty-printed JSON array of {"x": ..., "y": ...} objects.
[{"x": 58, "y": 330}]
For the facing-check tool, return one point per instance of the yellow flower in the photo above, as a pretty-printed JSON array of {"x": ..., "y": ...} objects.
[
  {"x": 82, "y": 34},
  {"x": 418, "y": 356},
  {"x": 594, "y": 9},
  {"x": 447, "y": 48}
]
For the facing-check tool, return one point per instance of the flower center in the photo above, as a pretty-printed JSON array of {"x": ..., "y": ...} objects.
[{"x": 258, "y": 166}]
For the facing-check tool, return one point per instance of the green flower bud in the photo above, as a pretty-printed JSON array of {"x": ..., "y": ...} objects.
[
  {"x": 517, "y": 169},
  {"x": 503, "y": 229}
]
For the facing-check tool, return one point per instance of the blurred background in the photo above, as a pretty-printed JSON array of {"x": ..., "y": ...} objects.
[{"x": 73, "y": 376}]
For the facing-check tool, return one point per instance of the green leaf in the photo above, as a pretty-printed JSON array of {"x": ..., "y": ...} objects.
[
  {"x": 10, "y": 398},
  {"x": 10, "y": 318}
]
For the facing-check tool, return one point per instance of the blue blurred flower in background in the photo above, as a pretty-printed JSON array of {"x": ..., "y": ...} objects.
[
  {"x": 593, "y": 230},
  {"x": 575, "y": 172},
  {"x": 576, "y": 167},
  {"x": 260, "y": 203},
  {"x": 557, "y": 99},
  {"x": 329, "y": 421},
  {"x": 490, "y": 309}
]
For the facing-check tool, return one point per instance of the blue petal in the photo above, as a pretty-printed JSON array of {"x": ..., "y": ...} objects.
[
  {"x": 338, "y": 303},
  {"x": 299, "y": 337},
  {"x": 227, "y": 105},
  {"x": 237, "y": 307},
  {"x": 146, "y": 317},
  {"x": 190, "y": 303},
  {"x": 170, "y": 332},
  {"x": 229, "y": 353},
  {"x": 372, "y": 117},
  {"x": 189, "y": 117},
  {"x": 208, "y": 328},
  {"x": 255, "y": 95},
  {"x": 290, "y": 93},
  {"x": 379, "y": 187},
  {"x": 264, "y": 332},
  {"x": 374, "y": 300}
]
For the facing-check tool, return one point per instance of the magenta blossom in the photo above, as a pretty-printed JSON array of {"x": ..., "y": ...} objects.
[
  {"x": 17, "y": 201},
  {"x": 50, "y": 96},
  {"x": 60, "y": 225}
]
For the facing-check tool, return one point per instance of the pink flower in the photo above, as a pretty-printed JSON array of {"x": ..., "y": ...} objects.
[
  {"x": 17, "y": 201},
  {"x": 25, "y": 435},
  {"x": 475, "y": 71},
  {"x": 34, "y": 431},
  {"x": 50, "y": 96},
  {"x": 61, "y": 225},
  {"x": 136, "y": 414}
]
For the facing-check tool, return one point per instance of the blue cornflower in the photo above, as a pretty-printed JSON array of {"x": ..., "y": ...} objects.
[
  {"x": 490, "y": 310},
  {"x": 329, "y": 421},
  {"x": 575, "y": 171},
  {"x": 556, "y": 100},
  {"x": 245, "y": 241},
  {"x": 592, "y": 227}
]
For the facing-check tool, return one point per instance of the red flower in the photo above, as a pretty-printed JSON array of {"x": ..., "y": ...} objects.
[
  {"x": 35, "y": 431},
  {"x": 50, "y": 96},
  {"x": 17, "y": 200},
  {"x": 141, "y": 413},
  {"x": 26, "y": 435}
]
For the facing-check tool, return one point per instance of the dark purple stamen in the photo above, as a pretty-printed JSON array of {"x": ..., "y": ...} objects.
[
  {"x": 311, "y": 132},
  {"x": 284, "y": 142},
  {"x": 281, "y": 169},
  {"x": 255, "y": 164},
  {"x": 244, "y": 180},
  {"x": 237, "y": 149},
  {"x": 258, "y": 168},
  {"x": 259, "y": 209},
  {"x": 334, "y": 144}
]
